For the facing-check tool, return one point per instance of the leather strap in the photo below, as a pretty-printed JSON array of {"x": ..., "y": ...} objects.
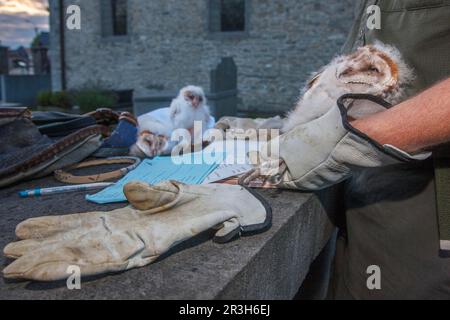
[
  {"x": 129, "y": 117},
  {"x": 66, "y": 177},
  {"x": 61, "y": 129},
  {"x": 15, "y": 112},
  {"x": 8, "y": 115},
  {"x": 104, "y": 116},
  {"x": 53, "y": 150}
]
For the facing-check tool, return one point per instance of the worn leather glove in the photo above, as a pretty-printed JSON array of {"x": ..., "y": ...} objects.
[
  {"x": 325, "y": 151},
  {"x": 161, "y": 217}
]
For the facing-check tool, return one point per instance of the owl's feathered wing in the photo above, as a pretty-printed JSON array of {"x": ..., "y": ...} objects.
[{"x": 157, "y": 122}]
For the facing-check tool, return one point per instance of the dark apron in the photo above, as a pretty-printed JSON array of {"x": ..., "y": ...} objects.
[{"x": 391, "y": 213}]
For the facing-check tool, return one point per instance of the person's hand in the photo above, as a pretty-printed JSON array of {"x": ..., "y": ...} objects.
[
  {"x": 325, "y": 151},
  {"x": 267, "y": 174}
]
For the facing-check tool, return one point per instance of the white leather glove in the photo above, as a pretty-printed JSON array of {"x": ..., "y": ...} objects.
[
  {"x": 163, "y": 216},
  {"x": 324, "y": 152}
]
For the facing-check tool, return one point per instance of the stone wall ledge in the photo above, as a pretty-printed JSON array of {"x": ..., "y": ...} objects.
[{"x": 271, "y": 265}]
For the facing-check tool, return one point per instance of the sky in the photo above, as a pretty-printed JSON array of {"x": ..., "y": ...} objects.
[{"x": 18, "y": 19}]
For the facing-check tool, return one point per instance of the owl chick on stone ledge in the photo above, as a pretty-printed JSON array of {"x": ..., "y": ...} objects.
[{"x": 156, "y": 128}]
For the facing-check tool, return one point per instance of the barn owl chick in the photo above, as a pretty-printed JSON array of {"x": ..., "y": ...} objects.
[
  {"x": 188, "y": 107},
  {"x": 376, "y": 69},
  {"x": 156, "y": 128}
]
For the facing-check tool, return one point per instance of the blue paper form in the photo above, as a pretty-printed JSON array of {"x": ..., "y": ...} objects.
[{"x": 157, "y": 170}]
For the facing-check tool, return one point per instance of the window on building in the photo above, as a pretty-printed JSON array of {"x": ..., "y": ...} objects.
[
  {"x": 114, "y": 17},
  {"x": 119, "y": 17},
  {"x": 228, "y": 15}
]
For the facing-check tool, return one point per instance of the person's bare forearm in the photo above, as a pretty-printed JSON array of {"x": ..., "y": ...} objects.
[{"x": 414, "y": 125}]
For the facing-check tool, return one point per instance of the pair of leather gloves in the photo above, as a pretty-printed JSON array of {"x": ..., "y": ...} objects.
[
  {"x": 325, "y": 151},
  {"x": 160, "y": 217}
]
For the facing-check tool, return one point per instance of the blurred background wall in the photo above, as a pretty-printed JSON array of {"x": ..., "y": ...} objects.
[{"x": 161, "y": 45}]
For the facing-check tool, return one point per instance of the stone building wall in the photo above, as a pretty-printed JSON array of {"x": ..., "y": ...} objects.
[{"x": 169, "y": 45}]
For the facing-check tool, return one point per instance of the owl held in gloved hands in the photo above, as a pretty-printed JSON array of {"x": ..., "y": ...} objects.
[
  {"x": 377, "y": 70},
  {"x": 315, "y": 147}
]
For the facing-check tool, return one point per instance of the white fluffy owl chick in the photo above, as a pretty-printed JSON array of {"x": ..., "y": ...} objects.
[
  {"x": 188, "y": 107},
  {"x": 376, "y": 69},
  {"x": 156, "y": 128}
]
